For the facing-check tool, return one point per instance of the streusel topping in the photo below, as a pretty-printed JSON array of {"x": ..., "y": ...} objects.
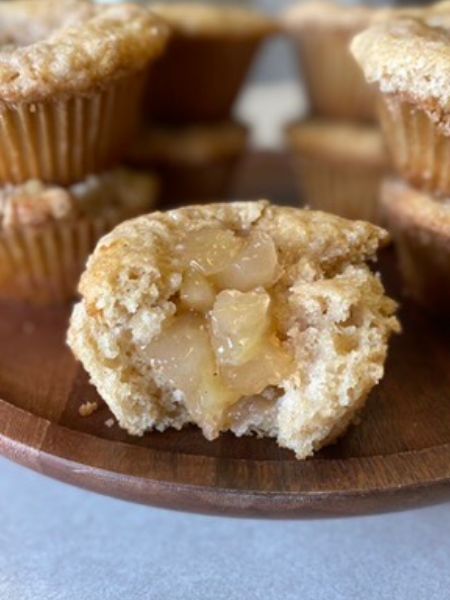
[
  {"x": 194, "y": 19},
  {"x": 35, "y": 203},
  {"x": 407, "y": 56},
  {"x": 51, "y": 47}
]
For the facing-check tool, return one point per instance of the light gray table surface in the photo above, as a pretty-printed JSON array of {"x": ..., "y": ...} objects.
[{"x": 61, "y": 543}]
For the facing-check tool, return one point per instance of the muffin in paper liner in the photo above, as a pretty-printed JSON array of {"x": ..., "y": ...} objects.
[
  {"x": 408, "y": 62},
  {"x": 321, "y": 33},
  {"x": 64, "y": 139},
  {"x": 420, "y": 227},
  {"x": 206, "y": 61},
  {"x": 339, "y": 166},
  {"x": 47, "y": 232},
  {"x": 72, "y": 76},
  {"x": 194, "y": 163}
]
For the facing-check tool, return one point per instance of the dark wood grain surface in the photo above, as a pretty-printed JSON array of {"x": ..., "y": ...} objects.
[{"x": 398, "y": 457}]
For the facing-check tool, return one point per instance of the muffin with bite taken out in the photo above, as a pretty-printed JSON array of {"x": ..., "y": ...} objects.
[{"x": 244, "y": 316}]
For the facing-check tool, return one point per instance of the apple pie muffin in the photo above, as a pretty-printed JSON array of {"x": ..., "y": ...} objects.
[
  {"x": 339, "y": 166},
  {"x": 48, "y": 231},
  {"x": 242, "y": 316},
  {"x": 72, "y": 75},
  {"x": 208, "y": 56},
  {"x": 321, "y": 31},
  {"x": 195, "y": 163},
  {"x": 408, "y": 61}
]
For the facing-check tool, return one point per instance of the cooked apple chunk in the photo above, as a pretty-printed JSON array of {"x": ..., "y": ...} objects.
[{"x": 244, "y": 316}]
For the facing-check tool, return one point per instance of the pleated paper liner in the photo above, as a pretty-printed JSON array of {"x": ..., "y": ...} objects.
[
  {"x": 64, "y": 139},
  {"x": 42, "y": 265},
  {"x": 420, "y": 148}
]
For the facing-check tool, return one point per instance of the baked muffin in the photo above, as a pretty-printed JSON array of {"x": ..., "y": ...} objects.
[
  {"x": 321, "y": 32},
  {"x": 409, "y": 62},
  {"x": 47, "y": 231},
  {"x": 193, "y": 163},
  {"x": 242, "y": 316},
  {"x": 339, "y": 166},
  {"x": 420, "y": 227},
  {"x": 71, "y": 81},
  {"x": 207, "y": 59}
]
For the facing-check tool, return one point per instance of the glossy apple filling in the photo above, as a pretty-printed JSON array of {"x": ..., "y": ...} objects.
[{"x": 222, "y": 344}]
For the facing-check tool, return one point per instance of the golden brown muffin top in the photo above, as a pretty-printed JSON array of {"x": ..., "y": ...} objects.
[
  {"x": 191, "y": 144},
  {"x": 405, "y": 203},
  {"x": 190, "y": 18},
  {"x": 52, "y": 47},
  {"x": 327, "y": 13},
  {"x": 338, "y": 141},
  {"x": 35, "y": 203},
  {"x": 409, "y": 55},
  {"x": 331, "y": 239}
]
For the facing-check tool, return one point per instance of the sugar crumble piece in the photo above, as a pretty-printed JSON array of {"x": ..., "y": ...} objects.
[{"x": 87, "y": 409}]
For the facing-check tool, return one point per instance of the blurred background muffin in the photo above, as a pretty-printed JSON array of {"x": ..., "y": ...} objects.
[
  {"x": 420, "y": 227},
  {"x": 321, "y": 32},
  {"x": 194, "y": 163},
  {"x": 208, "y": 57},
  {"x": 339, "y": 166},
  {"x": 48, "y": 231}
]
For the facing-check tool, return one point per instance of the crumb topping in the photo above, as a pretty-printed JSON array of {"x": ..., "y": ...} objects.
[
  {"x": 51, "y": 47},
  {"x": 87, "y": 409},
  {"x": 34, "y": 203},
  {"x": 187, "y": 18},
  {"x": 410, "y": 56}
]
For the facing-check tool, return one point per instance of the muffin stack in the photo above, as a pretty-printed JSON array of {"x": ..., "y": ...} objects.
[
  {"x": 408, "y": 60},
  {"x": 338, "y": 151},
  {"x": 191, "y": 140},
  {"x": 72, "y": 76}
]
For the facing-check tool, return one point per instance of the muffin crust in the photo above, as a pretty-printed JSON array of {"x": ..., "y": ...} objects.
[
  {"x": 73, "y": 47},
  {"x": 409, "y": 57}
]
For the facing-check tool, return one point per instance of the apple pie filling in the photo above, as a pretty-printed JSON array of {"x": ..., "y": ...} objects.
[{"x": 222, "y": 343}]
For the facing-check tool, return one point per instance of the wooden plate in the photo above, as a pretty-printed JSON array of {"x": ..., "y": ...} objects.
[{"x": 398, "y": 457}]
